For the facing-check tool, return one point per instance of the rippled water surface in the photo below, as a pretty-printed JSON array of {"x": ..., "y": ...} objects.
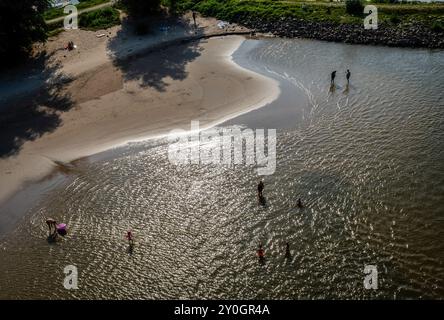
[{"x": 367, "y": 161}]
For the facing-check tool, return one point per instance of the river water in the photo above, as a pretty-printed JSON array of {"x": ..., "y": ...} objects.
[{"x": 368, "y": 163}]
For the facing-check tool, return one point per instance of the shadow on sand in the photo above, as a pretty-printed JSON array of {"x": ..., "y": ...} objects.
[
  {"x": 168, "y": 37},
  {"x": 25, "y": 117},
  {"x": 28, "y": 117}
]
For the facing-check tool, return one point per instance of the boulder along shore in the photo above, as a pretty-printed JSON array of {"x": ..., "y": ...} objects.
[{"x": 402, "y": 35}]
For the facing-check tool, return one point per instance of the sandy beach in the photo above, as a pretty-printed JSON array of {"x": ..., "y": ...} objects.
[{"x": 115, "y": 88}]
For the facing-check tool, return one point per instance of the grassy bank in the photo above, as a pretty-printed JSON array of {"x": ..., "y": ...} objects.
[
  {"x": 269, "y": 10},
  {"x": 92, "y": 20},
  {"x": 100, "y": 19},
  {"x": 401, "y": 25},
  {"x": 53, "y": 13}
]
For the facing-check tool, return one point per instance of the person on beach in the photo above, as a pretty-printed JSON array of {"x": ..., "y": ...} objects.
[
  {"x": 333, "y": 76},
  {"x": 348, "y": 74},
  {"x": 260, "y": 189},
  {"x": 194, "y": 19},
  {"x": 69, "y": 46},
  {"x": 129, "y": 236}
]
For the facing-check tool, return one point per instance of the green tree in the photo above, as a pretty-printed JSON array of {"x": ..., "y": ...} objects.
[
  {"x": 21, "y": 24},
  {"x": 173, "y": 6},
  {"x": 137, "y": 8}
]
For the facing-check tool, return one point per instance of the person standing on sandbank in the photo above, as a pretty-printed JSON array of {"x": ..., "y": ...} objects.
[{"x": 194, "y": 19}]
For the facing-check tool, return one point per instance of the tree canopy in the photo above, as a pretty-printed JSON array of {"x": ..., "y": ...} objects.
[
  {"x": 21, "y": 24},
  {"x": 137, "y": 8}
]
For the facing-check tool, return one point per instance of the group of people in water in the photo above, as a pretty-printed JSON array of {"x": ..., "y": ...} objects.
[
  {"x": 261, "y": 199},
  {"x": 261, "y": 252},
  {"x": 55, "y": 229},
  {"x": 261, "y": 186},
  {"x": 333, "y": 76}
]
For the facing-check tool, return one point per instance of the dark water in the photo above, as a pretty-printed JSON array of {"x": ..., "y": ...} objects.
[{"x": 368, "y": 164}]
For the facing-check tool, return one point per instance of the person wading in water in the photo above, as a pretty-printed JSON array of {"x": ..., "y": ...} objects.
[
  {"x": 260, "y": 189},
  {"x": 333, "y": 76},
  {"x": 260, "y": 195},
  {"x": 287, "y": 251},
  {"x": 129, "y": 236},
  {"x": 299, "y": 203},
  {"x": 261, "y": 253},
  {"x": 52, "y": 224}
]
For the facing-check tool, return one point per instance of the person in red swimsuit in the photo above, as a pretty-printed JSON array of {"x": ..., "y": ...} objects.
[
  {"x": 129, "y": 236},
  {"x": 261, "y": 253}
]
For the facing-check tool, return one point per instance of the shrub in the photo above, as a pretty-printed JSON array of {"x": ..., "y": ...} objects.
[
  {"x": 139, "y": 8},
  {"x": 395, "y": 19},
  {"x": 100, "y": 19},
  {"x": 21, "y": 24},
  {"x": 437, "y": 26},
  {"x": 354, "y": 7},
  {"x": 141, "y": 28}
]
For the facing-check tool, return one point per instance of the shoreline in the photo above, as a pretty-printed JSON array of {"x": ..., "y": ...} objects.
[
  {"x": 37, "y": 160},
  {"x": 360, "y": 203},
  {"x": 412, "y": 26},
  {"x": 79, "y": 136},
  {"x": 413, "y": 36}
]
